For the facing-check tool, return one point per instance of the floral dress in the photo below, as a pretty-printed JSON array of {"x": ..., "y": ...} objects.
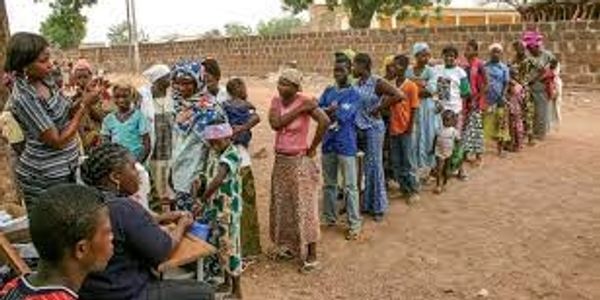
[{"x": 223, "y": 213}]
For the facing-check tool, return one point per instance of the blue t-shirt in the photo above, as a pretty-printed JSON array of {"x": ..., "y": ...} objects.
[
  {"x": 340, "y": 138},
  {"x": 128, "y": 133},
  {"x": 139, "y": 246},
  {"x": 238, "y": 113},
  {"x": 498, "y": 78}
]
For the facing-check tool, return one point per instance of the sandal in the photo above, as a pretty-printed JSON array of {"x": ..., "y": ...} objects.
[
  {"x": 283, "y": 255},
  {"x": 352, "y": 235},
  {"x": 309, "y": 267}
]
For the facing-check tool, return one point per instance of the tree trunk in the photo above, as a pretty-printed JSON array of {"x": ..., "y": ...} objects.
[{"x": 8, "y": 189}]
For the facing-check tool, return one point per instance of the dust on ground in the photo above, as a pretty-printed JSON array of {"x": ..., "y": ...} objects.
[{"x": 523, "y": 227}]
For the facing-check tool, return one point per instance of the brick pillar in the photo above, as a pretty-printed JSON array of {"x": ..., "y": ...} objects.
[{"x": 8, "y": 192}]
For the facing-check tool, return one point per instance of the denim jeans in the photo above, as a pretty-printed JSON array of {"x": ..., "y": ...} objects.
[
  {"x": 402, "y": 156},
  {"x": 331, "y": 162}
]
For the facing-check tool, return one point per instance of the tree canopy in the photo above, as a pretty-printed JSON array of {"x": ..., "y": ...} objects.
[
  {"x": 66, "y": 25},
  {"x": 237, "y": 30},
  {"x": 278, "y": 26},
  {"x": 118, "y": 34},
  {"x": 361, "y": 12}
]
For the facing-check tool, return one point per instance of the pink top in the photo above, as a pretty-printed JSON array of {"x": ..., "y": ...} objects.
[{"x": 293, "y": 138}]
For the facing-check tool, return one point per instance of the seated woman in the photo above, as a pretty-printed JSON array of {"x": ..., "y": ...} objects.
[{"x": 140, "y": 244}]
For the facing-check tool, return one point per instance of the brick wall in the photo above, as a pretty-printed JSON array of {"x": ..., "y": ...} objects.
[{"x": 577, "y": 44}]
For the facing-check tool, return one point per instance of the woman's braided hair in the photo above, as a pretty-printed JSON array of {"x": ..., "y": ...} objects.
[{"x": 103, "y": 160}]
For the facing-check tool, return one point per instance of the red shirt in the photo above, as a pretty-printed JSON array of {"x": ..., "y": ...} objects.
[{"x": 21, "y": 289}]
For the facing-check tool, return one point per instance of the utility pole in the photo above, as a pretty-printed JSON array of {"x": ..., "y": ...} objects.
[
  {"x": 129, "y": 37},
  {"x": 134, "y": 35}
]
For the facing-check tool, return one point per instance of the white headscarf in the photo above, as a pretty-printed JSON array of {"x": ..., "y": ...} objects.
[{"x": 156, "y": 72}]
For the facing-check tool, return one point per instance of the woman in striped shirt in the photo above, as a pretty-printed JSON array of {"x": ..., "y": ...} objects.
[{"x": 49, "y": 121}]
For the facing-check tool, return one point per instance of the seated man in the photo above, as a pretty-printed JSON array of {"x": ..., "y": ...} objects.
[{"x": 70, "y": 228}]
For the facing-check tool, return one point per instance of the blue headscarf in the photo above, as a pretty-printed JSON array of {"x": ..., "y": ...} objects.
[
  {"x": 190, "y": 69},
  {"x": 197, "y": 111},
  {"x": 419, "y": 47}
]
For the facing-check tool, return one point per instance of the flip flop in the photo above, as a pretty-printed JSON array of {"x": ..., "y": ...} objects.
[{"x": 309, "y": 267}]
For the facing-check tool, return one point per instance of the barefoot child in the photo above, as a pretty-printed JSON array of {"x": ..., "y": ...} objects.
[
  {"x": 243, "y": 117},
  {"x": 223, "y": 205},
  {"x": 444, "y": 144},
  {"x": 496, "y": 116},
  {"x": 516, "y": 96}
]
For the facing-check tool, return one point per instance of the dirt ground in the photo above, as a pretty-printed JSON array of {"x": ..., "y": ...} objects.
[{"x": 523, "y": 227}]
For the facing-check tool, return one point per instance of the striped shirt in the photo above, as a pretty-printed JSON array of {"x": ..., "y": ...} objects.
[
  {"x": 21, "y": 289},
  {"x": 40, "y": 165},
  {"x": 369, "y": 101}
]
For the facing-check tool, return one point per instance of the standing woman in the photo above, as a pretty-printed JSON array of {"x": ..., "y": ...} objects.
[
  {"x": 49, "y": 121},
  {"x": 294, "y": 216},
  {"x": 473, "y": 135},
  {"x": 427, "y": 118},
  {"x": 376, "y": 95},
  {"x": 540, "y": 63},
  {"x": 523, "y": 65}
]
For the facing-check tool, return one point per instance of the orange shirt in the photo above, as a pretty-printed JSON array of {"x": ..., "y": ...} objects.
[{"x": 401, "y": 111}]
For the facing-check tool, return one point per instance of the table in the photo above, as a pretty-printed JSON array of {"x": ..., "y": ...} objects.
[{"x": 190, "y": 249}]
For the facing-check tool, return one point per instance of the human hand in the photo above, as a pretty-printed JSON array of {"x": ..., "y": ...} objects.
[
  {"x": 185, "y": 220},
  {"x": 92, "y": 92}
]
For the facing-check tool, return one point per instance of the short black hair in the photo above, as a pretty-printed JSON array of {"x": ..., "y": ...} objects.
[
  {"x": 450, "y": 49},
  {"x": 402, "y": 59},
  {"x": 62, "y": 216},
  {"x": 473, "y": 44},
  {"x": 22, "y": 50},
  {"x": 102, "y": 161},
  {"x": 212, "y": 67},
  {"x": 363, "y": 59},
  {"x": 233, "y": 84}
]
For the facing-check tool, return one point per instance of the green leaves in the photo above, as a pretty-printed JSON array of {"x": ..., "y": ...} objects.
[
  {"x": 65, "y": 26},
  {"x": 278, "y": 26}
]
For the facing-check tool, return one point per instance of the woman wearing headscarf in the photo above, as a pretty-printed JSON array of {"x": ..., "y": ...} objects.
[
  {"x": 194, "y": 110},
  {"x": 376, "y": 95},
  {"x": 427, "y": 117},
  {"x": 523, "y": 65},
  {"x": 158, "y": 77},
  {"x": 49, "y": 120},
  {"x": 294, "y": 216},
  {"x": 541, "y": 60}
]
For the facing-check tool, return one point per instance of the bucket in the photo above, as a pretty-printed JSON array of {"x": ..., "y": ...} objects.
[{"x": 200, "y": 230}]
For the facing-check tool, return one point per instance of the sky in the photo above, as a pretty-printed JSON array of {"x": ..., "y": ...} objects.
[
  {"x": 156, "y": 17},
  {"x": 159, "y": 18}
]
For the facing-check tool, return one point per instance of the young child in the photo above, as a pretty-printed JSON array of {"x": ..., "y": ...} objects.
[
  {"x": 71, "y": 230},
  {"x": 127, "y": 126},
  {"x": 453, "y": 90},
  {"x": 496, "y": 117},
  {"x": 516, "y": 96},
  {"x": 222, "y": 202},
  {"x": 243, "y": 117},
  {"x": 444, "y": 146}
]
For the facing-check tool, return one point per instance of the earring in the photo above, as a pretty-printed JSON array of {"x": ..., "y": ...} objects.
[{"x": 118, "y": 186}]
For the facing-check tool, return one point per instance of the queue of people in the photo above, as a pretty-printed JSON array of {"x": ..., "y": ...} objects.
[{"x": 185, "y": 137}]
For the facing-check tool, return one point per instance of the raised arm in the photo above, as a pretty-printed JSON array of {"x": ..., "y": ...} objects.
[{"x": 391, "y": 95}]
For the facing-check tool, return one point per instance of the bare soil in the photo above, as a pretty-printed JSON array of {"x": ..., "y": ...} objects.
[{"x": 523, "y": 227}]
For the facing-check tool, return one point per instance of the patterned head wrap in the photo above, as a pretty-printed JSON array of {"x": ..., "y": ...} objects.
[
  {"x": 82, "y": 64},
  {"x": 217, "y": 131},
  {"x": 532, "y": 38},
  {"x": 156, "y": 72},
  {"x": 190, "y": 69},
  {"x": 420, "y": 47},
  {"x": 292, "y": 75}
]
